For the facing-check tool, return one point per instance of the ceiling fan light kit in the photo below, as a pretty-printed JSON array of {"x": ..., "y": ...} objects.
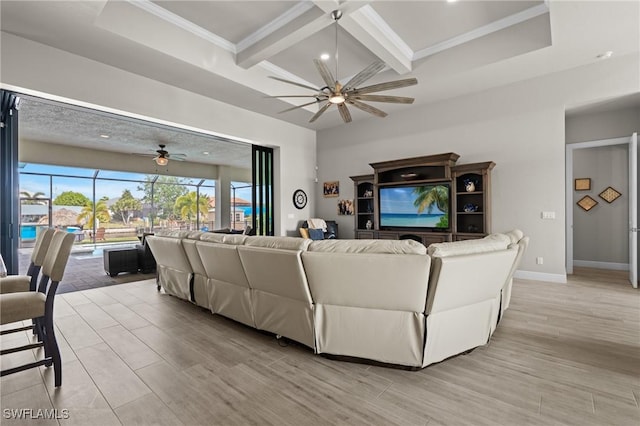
[
  {"x": 334, "y": 93},
  {"x": 162, "y": 156},
  {"x": 161, "y": 161}
]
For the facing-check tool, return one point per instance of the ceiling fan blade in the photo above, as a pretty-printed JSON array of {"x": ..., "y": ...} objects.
[
  {"x": 295, "y": 83},
  {"x": 344, "y": 112},
  {"x": 368, "y": 108},
  {"x": 385, "y": 86},
  {"x": 325, "y": 73},
  {"x": 383, "y": 98},
  {"x": 364, "y": 75},
  {"x": 320, "y": 111},
  {"x": 296, "y": 107},
  {"x": 292, "y": 96}
]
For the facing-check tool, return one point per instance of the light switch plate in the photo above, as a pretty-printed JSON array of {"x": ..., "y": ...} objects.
[{"x": 548, "y": 215}]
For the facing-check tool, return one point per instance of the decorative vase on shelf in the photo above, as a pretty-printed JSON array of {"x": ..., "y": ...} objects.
[
  {"x": 470, "y": 208},
  {"x": 470, "y": 185},
  {"x": 369, "y": 224}
]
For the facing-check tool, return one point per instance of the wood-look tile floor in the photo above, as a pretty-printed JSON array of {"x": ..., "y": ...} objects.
[{"x": 563, "y": 354}]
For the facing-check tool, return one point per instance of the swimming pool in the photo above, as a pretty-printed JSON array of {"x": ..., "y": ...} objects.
[{"x": 28, "y": 232}]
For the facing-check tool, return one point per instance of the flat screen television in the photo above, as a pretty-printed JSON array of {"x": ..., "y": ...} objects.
[{"x": 415, "y": 206}]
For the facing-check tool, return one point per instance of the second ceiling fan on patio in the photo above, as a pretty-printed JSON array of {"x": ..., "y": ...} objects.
[
  {"x": 162, "y": 156},
  {"x": 340, "y": 95}
]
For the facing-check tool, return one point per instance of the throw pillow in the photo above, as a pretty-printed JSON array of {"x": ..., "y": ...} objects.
[
  {"x": 316, "y": 234},
  {"x": 304, "y": 232}
]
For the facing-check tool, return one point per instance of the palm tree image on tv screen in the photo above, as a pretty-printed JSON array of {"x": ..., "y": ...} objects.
[{"x": 424, "y": 206}]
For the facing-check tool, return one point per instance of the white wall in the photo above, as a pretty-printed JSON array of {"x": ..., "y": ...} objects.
[
  {"x": 42, "y": 70},
  {"x": 520, "y": 127},
  {"x": 604, "y": 125}
]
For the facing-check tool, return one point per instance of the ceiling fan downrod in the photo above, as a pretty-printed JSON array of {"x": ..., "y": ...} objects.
[{"x": 336, "y": 15}]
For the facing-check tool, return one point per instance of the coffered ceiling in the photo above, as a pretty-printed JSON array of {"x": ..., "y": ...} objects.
[{"x": 228, "y": 49}]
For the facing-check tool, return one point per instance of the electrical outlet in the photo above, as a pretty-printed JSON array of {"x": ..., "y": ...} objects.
[
  {"x": 539, "y": 260},
  {"x": 548, "y": 215}
]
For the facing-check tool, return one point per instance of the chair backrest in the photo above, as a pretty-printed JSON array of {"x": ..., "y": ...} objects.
[
  {"x": 43, "y": 240},
  {"x": 58, "y": 255},
  {"x": 100, "y": 234}
]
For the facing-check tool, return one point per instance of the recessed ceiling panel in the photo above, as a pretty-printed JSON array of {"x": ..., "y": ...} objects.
[
  {"x": 231, "y": 20},
  {"x": 422, "y": 24},
  {"x": 353, "y": 57}
]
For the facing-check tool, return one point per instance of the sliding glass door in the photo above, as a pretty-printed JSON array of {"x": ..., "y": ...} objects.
[{"x": 262, "y": 191}]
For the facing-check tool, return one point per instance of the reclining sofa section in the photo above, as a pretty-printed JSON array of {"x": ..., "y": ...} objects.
[{"x": 382, "y": 300}]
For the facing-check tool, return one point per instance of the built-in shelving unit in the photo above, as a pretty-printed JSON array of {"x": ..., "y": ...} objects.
[
  {"x": 469, "y": 213},
  {"x": 364, "y": 206},
  {"x": 471, "y": 204}
]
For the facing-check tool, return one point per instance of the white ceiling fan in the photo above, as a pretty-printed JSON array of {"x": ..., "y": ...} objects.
[{"x": 335, "y": 93}]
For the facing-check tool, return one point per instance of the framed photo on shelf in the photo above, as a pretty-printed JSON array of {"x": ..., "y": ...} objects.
[
  {"x": 332, "y": 189},
  {"x": 582, "y": 184}
]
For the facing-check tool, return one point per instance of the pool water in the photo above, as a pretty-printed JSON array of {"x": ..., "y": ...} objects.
[{"x": 28, "y": 232}]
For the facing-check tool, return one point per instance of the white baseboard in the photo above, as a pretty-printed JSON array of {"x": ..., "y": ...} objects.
[
  {"x": 602, "y": 265},
  {"x": 541, "y": 276}
]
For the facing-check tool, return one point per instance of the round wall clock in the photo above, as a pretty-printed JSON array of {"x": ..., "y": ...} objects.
[{"x": 299, "y": 199}]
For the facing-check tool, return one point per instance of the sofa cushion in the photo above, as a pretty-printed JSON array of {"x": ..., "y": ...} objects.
[
  {"x": 491, "y": 242},
  {"x": 173, "y": 234},
  {"x": 214, "y": 238},
  {"x": 515, "y": 235},
  {"x": 285, "y": 243},
  {"x": 234, "y": 239},
  {"x": 368, "y": 246},
  {"x": 316, "y": 234},
  {"x": 194, "y": 235},
  {"x": 304, "y": 232}
]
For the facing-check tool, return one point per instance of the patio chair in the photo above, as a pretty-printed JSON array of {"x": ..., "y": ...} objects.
[
  {"x": 38, "y": 305},
  {"x": 28, "y": 282},
  {"x": 100, "y": 234}
]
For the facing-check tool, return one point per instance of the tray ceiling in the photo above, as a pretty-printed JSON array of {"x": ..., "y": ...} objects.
[{"x": 228, "y": 49}]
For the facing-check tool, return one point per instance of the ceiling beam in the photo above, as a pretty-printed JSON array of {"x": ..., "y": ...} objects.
[
  {"x": 365, "y": 25},
  {"x": 299, "y": 23},
  {"x": 375, "y": 34}
]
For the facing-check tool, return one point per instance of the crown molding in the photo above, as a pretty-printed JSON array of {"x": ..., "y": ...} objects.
[
  {"x": 186, "y": 25},
  {"x": 493, "y": 27}
]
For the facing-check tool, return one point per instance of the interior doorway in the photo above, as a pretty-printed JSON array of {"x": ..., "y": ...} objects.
[{"x": 628, "y": 237}]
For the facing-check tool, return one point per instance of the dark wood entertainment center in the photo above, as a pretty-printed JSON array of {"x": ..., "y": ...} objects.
[{"x": 469, "y": 204}]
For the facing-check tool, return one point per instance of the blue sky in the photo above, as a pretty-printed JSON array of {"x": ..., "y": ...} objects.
[{"x": 112, "y": 189}]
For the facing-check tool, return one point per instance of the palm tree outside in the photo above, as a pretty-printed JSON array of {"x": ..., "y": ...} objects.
[
  {"x": 33, "y": 199},
  {"x": 101, "y": 213},
  {"x": 188, "y": 206}
]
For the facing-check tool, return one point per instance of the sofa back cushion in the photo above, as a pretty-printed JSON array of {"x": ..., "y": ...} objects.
[
  {"x": 458, "y": 281},
  {"x": 284, "y": 243},
  {"x": 222, "y": 262},
  {"x": 489, "y": 243},
  {"x": 395, "y": 282},
  {"x": 172, "y": 234},
  {"x": 190, "y": 250},
  {"x": 168, "y": 252},
  {"x": 368, "y": 246},
  {"x": 275, "y": 271},
  {"x": 212, "y": 237}
]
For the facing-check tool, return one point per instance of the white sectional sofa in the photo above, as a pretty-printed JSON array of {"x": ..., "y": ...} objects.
[{"x": 389, "y": 301}]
